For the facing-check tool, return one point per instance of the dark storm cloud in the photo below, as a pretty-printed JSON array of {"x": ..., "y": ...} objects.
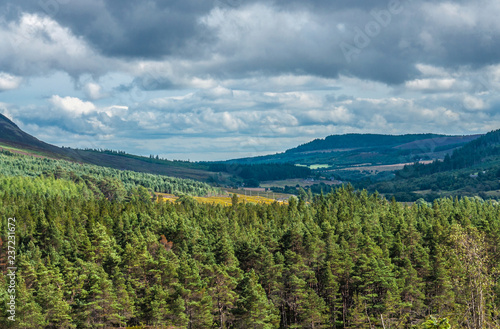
[
  {"x": 125, "y": 28},
  {"x": 260, "y": 72},
  {"x": 379, "y": 48}
]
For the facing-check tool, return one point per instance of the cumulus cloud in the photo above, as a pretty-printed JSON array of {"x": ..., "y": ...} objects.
[
  {"x": 473, "y": 103},
  {"x": 36, "y": 44},
  {"x": 72, "y": 105},
  {"x": 8, "y": 81},
  {"x": 430, "y": 84},
  {"x": 93, "y": 91}
]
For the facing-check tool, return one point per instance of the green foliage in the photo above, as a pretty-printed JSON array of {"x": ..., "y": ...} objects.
[
  {"x": 260, "y": 172},
  {"x": 112, "y": 183},
  {"x": 436, "y": 323},
  {"x": 346, "y": 259}
]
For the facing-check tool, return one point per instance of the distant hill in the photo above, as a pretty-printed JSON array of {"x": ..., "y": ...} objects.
[
  {"x": 351, "y": 150},
  {"x": 12, "y": 135},
  {"x": 438, "y": 143},
  {"x": 479, "y": 150},
  {"x": 471, "y": 170},
  {"x": 361, "y": 141},
  {"x": 12, "y": 138}
]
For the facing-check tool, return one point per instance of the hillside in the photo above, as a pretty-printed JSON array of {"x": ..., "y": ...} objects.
[
  {"x": 13, "y": 139},
  {"x": 357, "y": 156},
  {"x": 473, "y": 169},
  {"x": 349, "y": 141},
  {"x": 471, "y": 154},
  {"x": 112, "y": 183},
  {"x": 11, "y": 135}
]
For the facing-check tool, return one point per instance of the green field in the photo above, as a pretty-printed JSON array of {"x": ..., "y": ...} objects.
[{"x": 314, "y": 166}]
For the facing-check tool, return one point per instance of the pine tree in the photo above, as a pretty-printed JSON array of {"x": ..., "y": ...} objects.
[
  {"x": 29, "y": 314},
  {"x": 197, "y": 301},
  {"x": 222, "y": 290},
  {"x": 253, "y": 309}
]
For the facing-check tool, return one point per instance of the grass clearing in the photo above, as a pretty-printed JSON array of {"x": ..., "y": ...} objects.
[
  {"x": 296, "y": 181},
  {"x": 314, "y": 166},
  {"x": 318, "y": 166}
]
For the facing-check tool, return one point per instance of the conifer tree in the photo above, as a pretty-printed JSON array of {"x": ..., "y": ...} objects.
[{"x": 253, "y": 309}]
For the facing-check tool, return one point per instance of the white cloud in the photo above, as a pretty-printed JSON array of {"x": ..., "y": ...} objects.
[
  {"x": 38, "y": 44},
  {"x": 93, "y": 91},
  {"x": 337, "y": 115},
  {"x": 72, "y": 105},
  {"x": 473, "y": 103},
  {"x": 9, "y": 82},
  {"x": 432, "y": 71},
  {"x": 453, "y": 15},
  {"x": 430, "y": 84}
]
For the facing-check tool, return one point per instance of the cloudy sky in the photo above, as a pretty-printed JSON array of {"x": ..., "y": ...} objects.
[{"x": 209, "y": 80}]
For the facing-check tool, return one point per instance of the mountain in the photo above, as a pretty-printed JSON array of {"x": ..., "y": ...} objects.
[
  {"x": 471, "y": 170},
  {"x": 339, "y": 152},
  {"x": 11, "y": 135},
  {"x": 334, "y": 142},
  {"x": 13, "y": 139}
]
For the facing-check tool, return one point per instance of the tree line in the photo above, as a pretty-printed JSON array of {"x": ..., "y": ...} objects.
[
  {"x": 99, "y": 179},
  {"x": 252, "y": 174},
  {"x": 471, "y": 154}
]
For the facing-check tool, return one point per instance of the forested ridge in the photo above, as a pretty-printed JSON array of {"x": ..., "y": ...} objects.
[
  {"x": 261, "y": 172},
  {"x": 471, "y": 154},
  {"x": 347, "y": 259},
  {"x": 112, "y": 183},
  {"x": 360, "y": 140}
]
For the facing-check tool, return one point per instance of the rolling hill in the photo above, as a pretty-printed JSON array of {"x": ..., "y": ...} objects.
[
  {"x": 12, "y": 138},
  {"x": 431, "y": 165},
  {"x": 350, "y": 151},
  {"x": 473, "y": 169}
]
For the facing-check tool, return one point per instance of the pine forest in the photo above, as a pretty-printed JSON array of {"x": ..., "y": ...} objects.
[{"x": 94, "y": 249}]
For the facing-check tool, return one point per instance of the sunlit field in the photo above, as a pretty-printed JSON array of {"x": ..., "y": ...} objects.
[{"x": 220, "y": 199}]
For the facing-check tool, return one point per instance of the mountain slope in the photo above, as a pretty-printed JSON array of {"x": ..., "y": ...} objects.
[
  {"x": 483, "y": 149},
  {"x": 12, "y": 135},
  {"x": 346, "y": 151},
  {"x": 472, "y": 170},
  {"x": 14, "y": 139},
  {"x": 360, "y": 140}
]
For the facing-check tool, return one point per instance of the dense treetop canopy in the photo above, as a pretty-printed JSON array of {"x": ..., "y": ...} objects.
[{"x": 346, "y": 259}]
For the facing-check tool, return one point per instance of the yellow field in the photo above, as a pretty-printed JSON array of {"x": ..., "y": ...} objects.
[{"x": 224, "y": 200}]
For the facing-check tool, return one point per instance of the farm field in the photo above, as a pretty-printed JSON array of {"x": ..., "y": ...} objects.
[
  {"x": 224, "y": 200},
  {"x": 314, "y": 166},
  {"x": 297, "y": 181},
  {"x": 378, "y": 168},
  {"x": 251, "y": 192}
]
